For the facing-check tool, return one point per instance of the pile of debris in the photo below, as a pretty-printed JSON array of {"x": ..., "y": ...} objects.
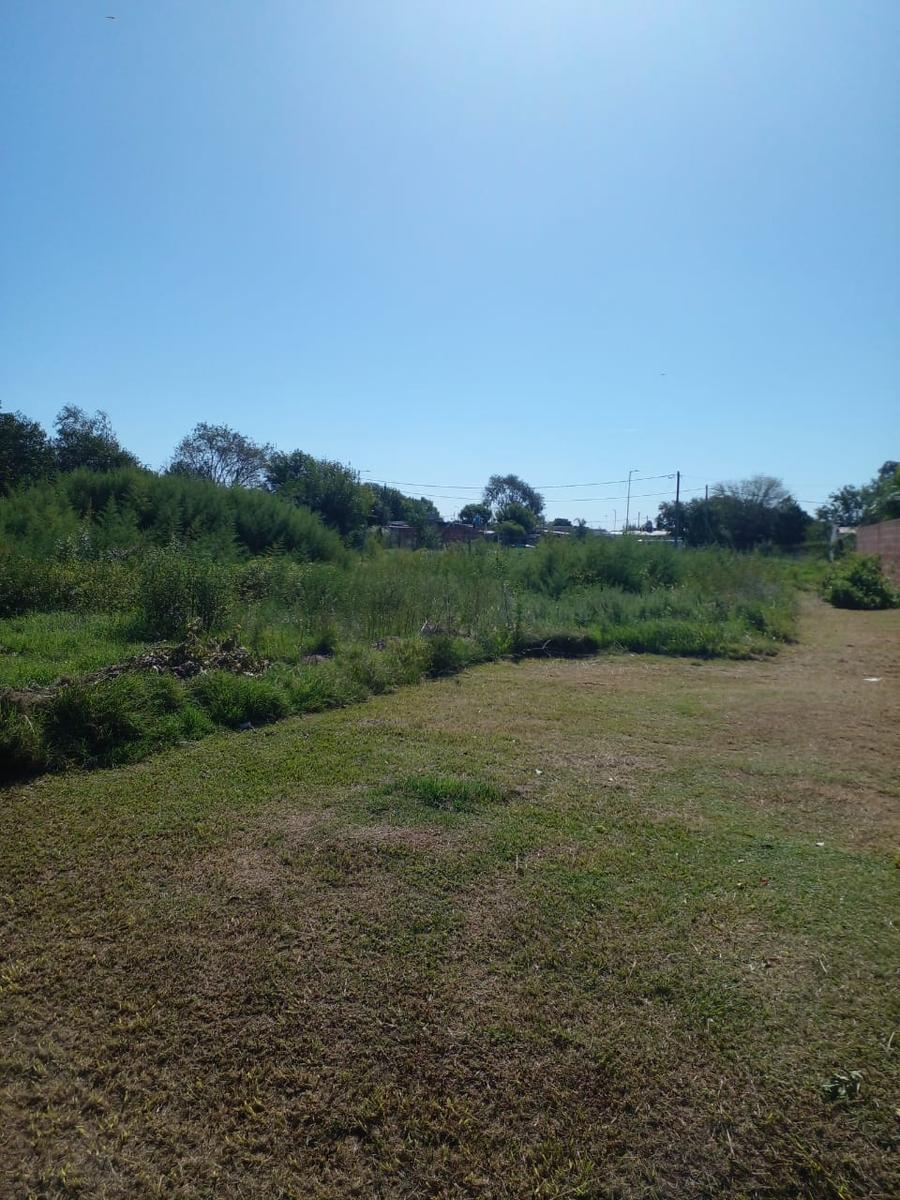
[
  {"x": 185, "y": 660},
  {"x": 189, "y": 658}
]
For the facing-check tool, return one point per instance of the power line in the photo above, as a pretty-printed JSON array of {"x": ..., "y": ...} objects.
[{"x": 468, "y": 487}]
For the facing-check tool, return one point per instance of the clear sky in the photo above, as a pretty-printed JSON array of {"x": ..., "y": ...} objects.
[{"x": 440, "y": 240}]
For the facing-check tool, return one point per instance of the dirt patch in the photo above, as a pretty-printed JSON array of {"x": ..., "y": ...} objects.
[
  {"x": 424, "y": 841},
  {"x": 238, "y": 868}
]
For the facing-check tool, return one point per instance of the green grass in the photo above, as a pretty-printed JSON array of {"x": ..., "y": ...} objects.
[
  {"x": 449, "y": 792},
  {"x": 39, "y": 648},
  {"x": 535, "y": 930}
]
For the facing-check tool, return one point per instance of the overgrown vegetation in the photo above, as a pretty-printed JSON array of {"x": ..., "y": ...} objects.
[
  {"x": 102, "y": 517},
  {"x": 332, "y": 633},
  {"x": 858, "y": 581},
  {"x": 101, "y": 558}
]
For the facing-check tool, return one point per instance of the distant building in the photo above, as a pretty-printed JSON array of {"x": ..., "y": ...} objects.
[
  {"x": 399, "y": 535},
  {"x": 459, "y": 531}
]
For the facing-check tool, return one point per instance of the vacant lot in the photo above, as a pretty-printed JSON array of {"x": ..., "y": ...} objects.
[{"x": 597, "y": 929}]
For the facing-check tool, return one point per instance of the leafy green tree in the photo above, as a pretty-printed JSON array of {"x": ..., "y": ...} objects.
[
  {"x": 475, "y": 512},
  {"x": 389, "y": 504},
  {"x": 327, "y": 488},
  {"x": 877, "y": 500},
  {"x": 26, "y": 454},
  {"x": 561, "y": 523},
  {"x": 501, "y": 490},
  {"x": 511, "y": 533},
  {"x": 753, "y": 512},
  {"x": 222, "y": 455},
  {"x": 516, "y": 513},
  {"x": 88, "y": 442},
  {"x": 887, "y": 501},
  {"x": 846, "y": 506}
]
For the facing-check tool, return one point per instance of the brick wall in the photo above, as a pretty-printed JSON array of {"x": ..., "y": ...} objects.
[{"x": 883, "y": 539}]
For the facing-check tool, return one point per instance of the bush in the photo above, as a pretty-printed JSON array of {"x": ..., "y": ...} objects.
[
  {"x": 39, "y": 585},
  {"x": 446, "y": 655},
  {"x": 179, "y": 592},
  {"x": 117, "y": 720},
  {"x": 858, "y": 581},
  {"x": 129, "y": 509},
  {"x": 235, "y": 700},
  {"x": 316, "y": 689}
]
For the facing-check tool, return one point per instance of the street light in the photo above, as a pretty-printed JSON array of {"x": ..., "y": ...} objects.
[{"x": 633, "y": 471}]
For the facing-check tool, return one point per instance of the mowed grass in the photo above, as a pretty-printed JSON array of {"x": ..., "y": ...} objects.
[{"x": 548, "y": 929}]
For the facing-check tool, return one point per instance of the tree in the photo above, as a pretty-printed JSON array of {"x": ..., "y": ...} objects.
[
  {"x": 763, "y": 490},
  {"x": 389, "y": 504},
  {"x": 561, "y": 523},
  {"x": 26, "y": 454},
  {"x": 328, "y": 488},
  {"x": 877, "y": 500},
  {"x": 514, "y": 512},
  {"x": 511, "y": 533},
  {"x": 505, "y": 489},
  {"x": 846, "y": 506},
  {"x": 83, "y": 441},
  {"x": 887, "y": 501},
  {"x": 753, "y": 512},
  {"x": 222, "y": 455},
  {"x": 478, "y": 514}
]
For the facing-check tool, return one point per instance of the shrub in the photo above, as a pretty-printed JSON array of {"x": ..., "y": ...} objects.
[
  {"x": 446, "y": 655},
  {"x": 315, "y": 689},
  {"x": 367, "y": 671},
  {"x": 179, "y": 591},
  {"x": 116, "y": 720},
  {"x": 129, "y": 508},
  {"x": 323, "y": 641},
  {"x": 858, "y": 581},
  {"x": 234, "y": 700},
  {"x": 408, "y": 659}
]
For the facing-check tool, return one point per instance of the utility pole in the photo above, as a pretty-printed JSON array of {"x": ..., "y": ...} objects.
[
  {"x": 633, "y": 471},
  {"x": 706, "y": 513},
  {"x": 677, "y": 508}
]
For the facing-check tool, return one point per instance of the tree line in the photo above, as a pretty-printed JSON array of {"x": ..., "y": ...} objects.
[
  {"x": 221, "y": 455},
  {"x": 210, "y": 452},
  {"x": 743, "y": 515}
]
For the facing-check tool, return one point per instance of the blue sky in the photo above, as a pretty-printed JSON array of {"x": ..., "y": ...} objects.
[{"x": 442, "y": 240}]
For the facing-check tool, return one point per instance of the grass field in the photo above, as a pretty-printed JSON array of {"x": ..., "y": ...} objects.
[{"x": 548, "y": 929}]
